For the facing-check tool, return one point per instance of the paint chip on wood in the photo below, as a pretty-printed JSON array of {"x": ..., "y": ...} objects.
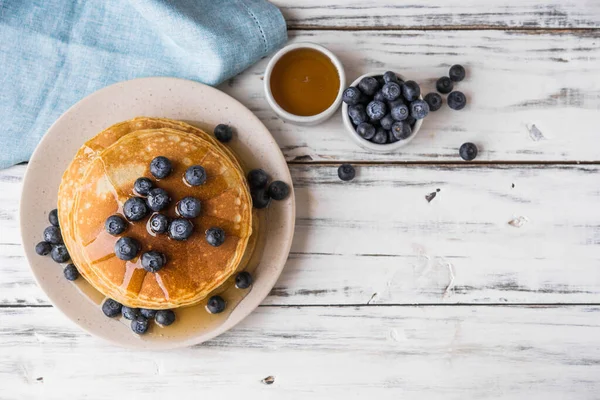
[
  {"x": 372, "y": 297},
  {"x": 518, "y": 222},
  {"x": 40, "y": 379},
  {"x": 535, "y": 134},
  {"x": 431, "y": 195},
  {"x": 269, "y": 380}
]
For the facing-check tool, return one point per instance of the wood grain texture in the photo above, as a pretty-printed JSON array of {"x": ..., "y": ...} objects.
[
  {"x": 320, "y": 353},
  {"x": 479, "y": 14},
  {"x": 377, "y": 240},
  {"x": 531, "y": 96}
]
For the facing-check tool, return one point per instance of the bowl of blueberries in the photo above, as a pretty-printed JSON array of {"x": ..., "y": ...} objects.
[{"x": 383, "y": 111}]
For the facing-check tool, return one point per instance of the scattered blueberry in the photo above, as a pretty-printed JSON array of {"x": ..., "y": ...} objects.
[
  {"x": 357, "y": 114},
  {"x": 215, "y": 305},
  {"x": 60, "y": 254},
  {"x": 161, "y": 167},
  {"x": 43, "y": 248},
  {"x": 153, "y": 261},
  {"x": 135, "y": 208},
  {"x": 457, "y": 100},
  {"x": 223, "y": 133},
  {"x": 159, "y": 223},
  {"x": 376, "y": 110},
  {"x": 189, "y": 207},
  {"x": 215, "y": 236},
  {"x": 419, "y": 109},
  {"x": 351, "y": 96},
  {"x": 380, "y": 137},
  {"x": 444, "y": 85},
  {"x": 130, "y": 313},
  {"x": 71, "y": 272},
  {"x": 195, "y": 175},
  {"x": 468, "y": 151},
  {"x": 180, "y": 229},
  {"x": 142, "y": 186},
  {"x": 158, "y": 199},
  {"x": 390, "y": 76},
  {"x": 379, "y": 96},
  {"x": 126, "y": 248},
  {"x": 411, "y": 90},
  {"x": 147, "y": 313},
  {"x": 139, "y": 325},
  {"x": 52, "y": 235},
  {"x": 257, "y": 179},
  {"x": 278, "y": 190},
  {"x": 368, "y": 85},
  {"x": 165, "y": 317},
  {"x": 457, "y": 73},
  {"x": 399, "y": 111},
  {"x": 243, "y": 280},
  {"x": 386, "y": 122},
  {"x": 434, "y": 101},
  {"x": 260, "y": 198},
  {"x": 346, "y": 172},
  {"x": 366, "y": 130},
  {"x": 401, "y": 130},
  {"x": 111, "y": 308},
  {"x": 391, "y": 91},
  {"x": 115, "y": 225},
  {"x": 53, "y": 217}
]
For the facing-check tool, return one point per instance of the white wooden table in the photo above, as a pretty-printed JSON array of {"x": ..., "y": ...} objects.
[{"x": 385, "y": 295}]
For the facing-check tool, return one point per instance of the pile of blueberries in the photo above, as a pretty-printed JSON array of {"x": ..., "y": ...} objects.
[{"x": 53, "y": 244}]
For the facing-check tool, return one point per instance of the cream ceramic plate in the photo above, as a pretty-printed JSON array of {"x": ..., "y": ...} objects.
[{"x": 178, "y": 99}]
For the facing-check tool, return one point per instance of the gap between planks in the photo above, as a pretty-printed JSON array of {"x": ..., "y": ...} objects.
[{"x": 517, "y": 29}]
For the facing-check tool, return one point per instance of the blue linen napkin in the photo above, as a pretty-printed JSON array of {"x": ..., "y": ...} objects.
[{"x": 55, "y": 52}]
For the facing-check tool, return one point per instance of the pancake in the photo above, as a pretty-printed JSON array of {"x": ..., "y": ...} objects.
[{"x": 194, "y": 268}]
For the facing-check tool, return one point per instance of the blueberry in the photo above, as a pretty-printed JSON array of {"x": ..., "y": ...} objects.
[
  {"x": 457, "y": 73},
  {"x": 357, "y": 114},
  {"x": 380, "y": 80},
  {"x": 52, "y": 235},
  {"x": 391, "y": 137},
  {"x": 390, "y": 76},
  {"x": 419, "y": 109},
  {"x": 159, "y": 223},
  {"x": 365, "y": 130},
  {"x": 444, "y": 85},
  {"x": 135, "y": 208},
  {"x": 346, "y": 172},
  {"x": 43, "y": 248},
  {"x": 153, "y": 261},
  {"x": 351, "y": 96},
  {"x": 189, "y": 207},
  {"x": 71, "y": 272},
  {"x": 215, "y": 236},
  {"x": 127, "y": 248},
  {"x": 139, "y": 325},
  {"x": 257, "y": 179},
  {"x": 142, "y": 186},
  {"x": 161, "y": 167},
  {"x": 223, "y": 133},
  {"x": 379, "y": 96},
  {"x": 165, "y": 317},
  {"x": 147, "y": 313},
  {"x": 468, "y": 151},
  {"x": 180, "y": 229},
  {"x": 195, "y": 175},
  {"x": 158, "y": 199},
  {"x": 260, "y": 198},
  {"x": 215, "y": 305},
  {"x": 115, "y": 225},
  {"x": 380, "y": 137},
  {"x": 278, "y": 190},
  {"x": 130, "y": 313},
  {"x": 434, "y": 101},
  {"x": 243, "y": 280},
  {"x": 376, "y": 110},
  {"x": 457, "y": 100},
  {"x": 401, "y": 130},
  {"x": 411, "y": 121},
  {"x": 411, "y": 90},
  {"x": 386, "y": 122},
  {"x": 111, "y": 308},
  {"x": 53, "y": 217},
  {"x": 399, "y": 112},
  {"x": 60, "y": 254},
  {"x": 368, "y": 85},
  {"x": 391, "y": 91}
]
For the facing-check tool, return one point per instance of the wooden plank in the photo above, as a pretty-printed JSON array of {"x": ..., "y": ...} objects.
[
  {"x": 378, "y": 240},
  {"x": 479, "y": 14},
  {"x": 320, "y": 353},
  {"x": 532, "y": 96}
]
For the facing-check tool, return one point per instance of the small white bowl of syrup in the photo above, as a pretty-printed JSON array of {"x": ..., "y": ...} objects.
[{"x": 304, "y": 83}]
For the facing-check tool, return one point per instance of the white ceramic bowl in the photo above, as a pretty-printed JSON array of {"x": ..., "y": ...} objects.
[
  {"x": 379, "y": 148},
  {"x": 298, "y": 119}
]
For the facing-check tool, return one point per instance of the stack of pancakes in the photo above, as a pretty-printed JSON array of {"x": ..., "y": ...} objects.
[{"x": 100, "y": 179}]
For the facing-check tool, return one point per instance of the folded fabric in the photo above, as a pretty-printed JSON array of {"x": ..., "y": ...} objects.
[{"x": 55, "y": 52}]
